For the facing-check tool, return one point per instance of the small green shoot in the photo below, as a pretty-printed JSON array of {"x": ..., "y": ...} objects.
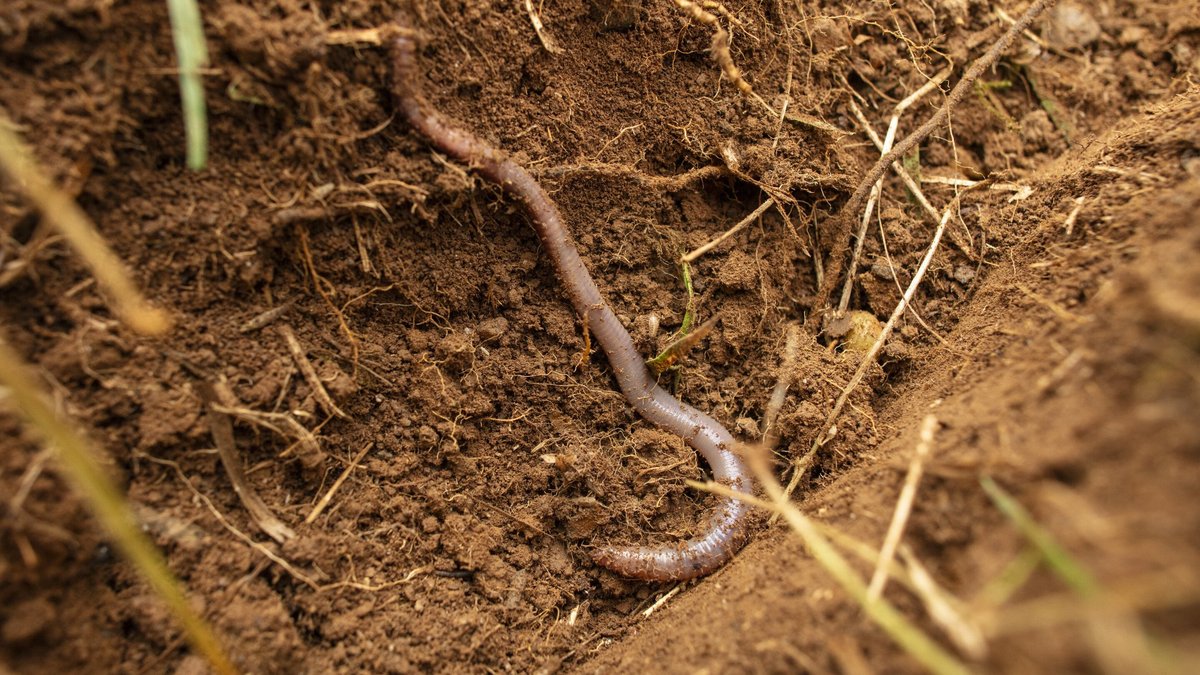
[
  {"x": 689, "y": 312},
  {"x": 235, "y": 94},
  {"x": 679, "y": 347},
  {"x": 188, "y": 32},
  {"x": 675, "y": 351},
  {"x": 912, "y": 164}
]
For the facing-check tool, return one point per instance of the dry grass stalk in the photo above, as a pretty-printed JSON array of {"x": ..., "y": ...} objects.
[
  {"x": 899, "y": 170},
  {"x": 787, "y": 369},
  {"x": 310, "y": 373},
  {"x": 107, "y": 503},
  {"x": 61, "y": 211},
  {"x": 325, "y": 499},
  {"x": 312, "y": 581},
  {"x": 965, "y": 85},
  {"x": 221, "y": 427},
  {"x": 543, "y": 37},
  {"x": 304, "y": 443},
  {"x": 944, "y": 609},
  {"x": 904, "y": 506},
  {"x": 910, "y": 638},
  {"x": 691, "y": 256},
  {"x": 661, "y": 601},
  {"x": 877, "y": 189}
]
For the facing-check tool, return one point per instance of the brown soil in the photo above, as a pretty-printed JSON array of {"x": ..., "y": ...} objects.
[{"x": 1061, "y": 355}]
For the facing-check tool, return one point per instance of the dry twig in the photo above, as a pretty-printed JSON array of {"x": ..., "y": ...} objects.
[
  {"x": 841, "y": 241},
  {"x": 540, "y": 29},
  {"x": 320, "y": 506},
  {"x": 221, "y": 427},
  {"x": 885, "y": 615},
  {"x": 264, "y": 319},
  {"x": 691, "y": 257},
  {"x": 661, "y": 601},
  {"x": 304, "y": 442},
  {"x": 877, "y": 189},
  {"x": 944, "y": 609}
]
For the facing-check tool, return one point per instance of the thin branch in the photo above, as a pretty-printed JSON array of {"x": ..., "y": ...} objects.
[
  {"x": 220, "y": 425},
  {"x": 337, "y": 484},
  {"x": 841, "y": 241},
  {"x": 877, "y": 189},
  {"x": 310, "y": 373}
]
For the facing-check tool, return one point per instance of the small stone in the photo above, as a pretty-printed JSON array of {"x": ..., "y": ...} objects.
[
  {"x": 864, "y": 331},
  {"x": 192, "y": 665},
  {"x": 747, "y": 428},
  {"x": 492, "y": 329},
  {"x": 1192, "y": 166},
  {"x": 1070, "y": 25},
  {"x": 1132, "y": 35},
  {"x": 881, "y": 269}
]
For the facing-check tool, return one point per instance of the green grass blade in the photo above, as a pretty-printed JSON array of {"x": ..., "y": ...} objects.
[
  {"x": 188, "y": 32},
  {"x": 1070, "y": 571}
]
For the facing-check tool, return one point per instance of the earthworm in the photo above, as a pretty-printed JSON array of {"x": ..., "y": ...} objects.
[{"x": 727, "y": 529}]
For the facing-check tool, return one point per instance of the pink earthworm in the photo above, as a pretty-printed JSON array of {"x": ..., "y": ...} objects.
[{"x": 726, "y": 532}]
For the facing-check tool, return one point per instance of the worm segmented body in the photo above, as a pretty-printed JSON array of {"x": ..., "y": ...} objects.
[{"x": 727, "y": 531}]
